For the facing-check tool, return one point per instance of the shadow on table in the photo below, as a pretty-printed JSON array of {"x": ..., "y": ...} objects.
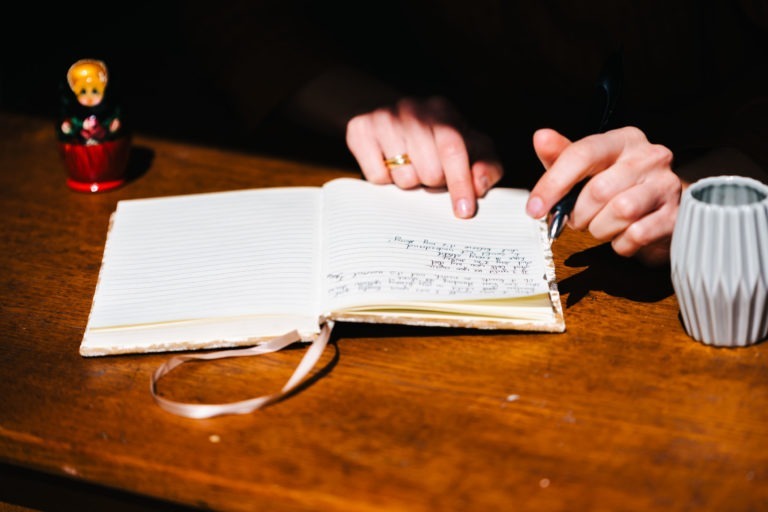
[
  {"x": 27, "y": 490},
  {"x": 615, "y": 275},
  {"x": 139, "y": 161}
]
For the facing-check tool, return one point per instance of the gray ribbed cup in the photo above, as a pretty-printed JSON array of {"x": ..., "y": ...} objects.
[{"x": 719, "y": 260}]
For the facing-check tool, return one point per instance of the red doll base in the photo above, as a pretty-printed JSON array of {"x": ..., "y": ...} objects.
[{"x": 98, "y": 167}]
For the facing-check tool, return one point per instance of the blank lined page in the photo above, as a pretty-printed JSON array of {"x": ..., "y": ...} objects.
[
  {"x": 388, "y": 245},
  {"x": 203, "y": 256}
]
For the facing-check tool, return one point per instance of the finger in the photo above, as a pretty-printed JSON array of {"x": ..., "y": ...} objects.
[
  {"x": 640, "y": 181},
  {"x": 548, "y": 145},
  {"x": 621, "y": 211},
  {"x": 598, "y": 194},
  {"x": 418, "y": 120},
  {"x": 364, "y": 146},
  {"x": 404, "y": 175},
  {"x": 389, "y": 133},
  {"x": 420, "y": 139},
  {"x": 485, "y": 174},
  {"x": 486, "y": 167},
  {"x": 576, "y": 162},
  {"x": 653, "y": 231},
  {"x": 455, "y": 162}
]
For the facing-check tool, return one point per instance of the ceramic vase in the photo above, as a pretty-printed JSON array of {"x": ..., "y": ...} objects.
[{"x": 719, "y": 260}]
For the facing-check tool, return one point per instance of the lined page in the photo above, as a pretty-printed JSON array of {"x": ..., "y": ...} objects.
[
  {"x": 387, "y": 245},
  {"x": 224, "y": 255}
]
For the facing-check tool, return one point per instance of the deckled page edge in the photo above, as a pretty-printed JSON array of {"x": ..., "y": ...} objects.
[
  {"x": 549, "y": 267},
  {"x": 183, "y": 346}
]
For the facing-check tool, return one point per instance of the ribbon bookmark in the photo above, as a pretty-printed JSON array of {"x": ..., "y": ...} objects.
[{"x": 198, "y": 411}]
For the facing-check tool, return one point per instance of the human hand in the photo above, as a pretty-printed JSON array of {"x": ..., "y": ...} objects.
[
  {"x": 442, "y": 152},
  {"x": 631, "y": 198}
]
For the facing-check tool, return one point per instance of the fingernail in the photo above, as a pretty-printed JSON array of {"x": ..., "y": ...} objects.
[
  {"x": 535, "y": 207},
  {"x": 463, "y": 208}
]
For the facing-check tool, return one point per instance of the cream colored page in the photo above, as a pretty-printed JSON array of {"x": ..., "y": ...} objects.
[
  {"x": 221, "y": 255},
  {"x": 386, "y": 245}
]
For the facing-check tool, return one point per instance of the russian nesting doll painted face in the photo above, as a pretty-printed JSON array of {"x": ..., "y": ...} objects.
[{"x": 88, "y": 79}]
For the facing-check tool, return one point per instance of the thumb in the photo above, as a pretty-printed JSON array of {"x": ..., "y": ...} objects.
[{"x": 548, "y": 145}]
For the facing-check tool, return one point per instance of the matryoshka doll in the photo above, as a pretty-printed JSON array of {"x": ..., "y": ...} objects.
[{"x": 93, "y": 142}]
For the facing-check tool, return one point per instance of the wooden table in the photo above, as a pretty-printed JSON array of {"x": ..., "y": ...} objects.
[{"x": 622, "y": 412}]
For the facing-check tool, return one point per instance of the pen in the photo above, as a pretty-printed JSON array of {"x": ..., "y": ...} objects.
[{"x": 608, "y": 86}]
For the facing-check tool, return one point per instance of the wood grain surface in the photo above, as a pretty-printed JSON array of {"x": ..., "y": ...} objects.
[{"x": 623, "y": 411}]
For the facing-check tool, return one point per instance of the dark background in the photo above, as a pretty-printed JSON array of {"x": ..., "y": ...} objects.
[
  {"x": 155, "y": 76},
  {"x": 158, "y": 83},
  {"x": 165, "y": 91}
]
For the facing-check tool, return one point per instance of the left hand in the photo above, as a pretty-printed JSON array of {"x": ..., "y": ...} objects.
[
  {"x": 443, "y": 151},
  {"x": 631, "y": 199}
]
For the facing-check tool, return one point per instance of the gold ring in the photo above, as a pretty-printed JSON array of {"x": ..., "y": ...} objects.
[{"x": 401, "y": 159}]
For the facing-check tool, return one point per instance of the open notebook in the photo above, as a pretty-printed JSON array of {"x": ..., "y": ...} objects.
[{"x": 229, "y": 269}]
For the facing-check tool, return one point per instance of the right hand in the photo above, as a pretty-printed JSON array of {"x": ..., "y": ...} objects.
[
  {"x": 631, "y": 199},
  {"x": 442, "y": 151}
]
